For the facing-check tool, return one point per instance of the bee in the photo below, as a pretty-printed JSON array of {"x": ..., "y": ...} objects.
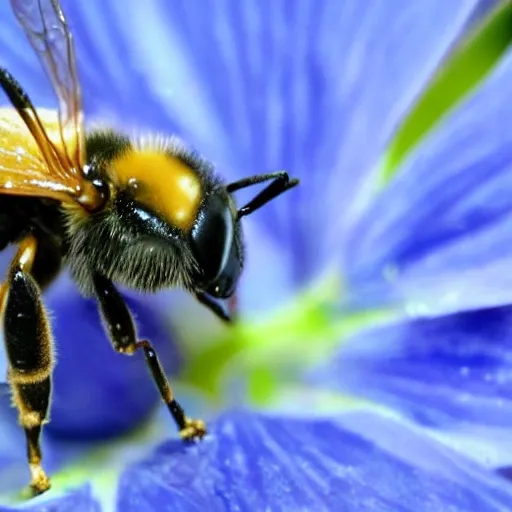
[{"x": 146, "y": 214}]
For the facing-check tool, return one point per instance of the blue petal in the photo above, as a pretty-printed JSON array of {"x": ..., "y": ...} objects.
[
  {"x": 482, "y": 10},
  {"x": 256, "y": 462},
  {"x": 314, "y": 88},
  {"x": 102, "y": 62},
  {"x": 443, "y": 372},
  {"x": 409, "y": 444},
  {"x": 445, "y": 245},
  {"x": 77, "y": 500},
  {"x": 13, "y": 474}
]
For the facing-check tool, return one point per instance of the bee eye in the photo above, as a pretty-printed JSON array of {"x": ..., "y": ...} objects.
[{"x": 212, "y": 236}]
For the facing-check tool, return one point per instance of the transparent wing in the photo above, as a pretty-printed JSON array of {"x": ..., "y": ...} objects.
[
  {"x": 48, "y": 32},
  {"x": 23, "y": 167}
]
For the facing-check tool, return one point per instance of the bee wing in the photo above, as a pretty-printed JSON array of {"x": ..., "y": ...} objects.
[
  {"x": 48, "y": 32},
  {"x": 23, "y": 167},
  {"x": 55, "y": 168}
]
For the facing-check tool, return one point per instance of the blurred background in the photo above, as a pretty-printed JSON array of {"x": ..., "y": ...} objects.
[{"x": 376, "y": 106}]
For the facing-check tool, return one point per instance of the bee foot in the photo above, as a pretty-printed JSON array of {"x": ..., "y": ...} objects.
[
  {"x": 193, "y": 430},
  {"x": 40, "y": 482}
]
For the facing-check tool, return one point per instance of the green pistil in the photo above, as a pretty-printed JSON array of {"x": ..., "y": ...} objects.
[
  {"x": 468, "y": 66},
  {"x": 263, "y": 355}
]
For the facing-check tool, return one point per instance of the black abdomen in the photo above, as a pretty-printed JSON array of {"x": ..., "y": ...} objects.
[
  {"x": 20, "y": 216},
  {"x": 14, "y": 219}
]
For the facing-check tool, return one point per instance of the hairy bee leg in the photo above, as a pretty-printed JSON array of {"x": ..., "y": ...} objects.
[
  {"x": 28, "y": 342},
  {"x": 121, "y": 329}
]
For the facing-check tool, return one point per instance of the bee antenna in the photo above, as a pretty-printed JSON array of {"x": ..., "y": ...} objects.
[{"x": 281, "y": 182}]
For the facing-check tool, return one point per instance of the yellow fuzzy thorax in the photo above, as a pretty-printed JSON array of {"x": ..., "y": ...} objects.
[{"x": 160, "y": 181}]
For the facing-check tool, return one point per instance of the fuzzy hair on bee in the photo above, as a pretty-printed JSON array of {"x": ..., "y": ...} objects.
[
  {"x": 132, "y": 241},
  {"x": 144, "y": 212}
]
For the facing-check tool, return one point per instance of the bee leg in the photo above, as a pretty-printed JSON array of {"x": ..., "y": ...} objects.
[
  {"x": 28, "y": 343},
  {"x": 213, "y": 306},
  {"x": 121, "y": 329}
]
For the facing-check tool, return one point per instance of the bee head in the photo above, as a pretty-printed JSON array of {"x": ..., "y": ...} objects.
[
  {"x": 216, "y": 238},
  {"x": 216, "y": 242},
  {"x": 168, "y": 220}
]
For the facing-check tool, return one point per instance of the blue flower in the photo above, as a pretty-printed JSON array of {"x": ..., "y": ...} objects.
[
  {"x": 451, "y": 374},
  {"x": 319, "y": 89},
  {"x": 251, "y": 462}
]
